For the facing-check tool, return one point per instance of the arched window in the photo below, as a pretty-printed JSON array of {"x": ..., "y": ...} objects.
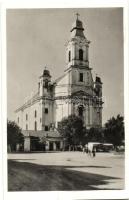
[
  {"x": 69, "y": 56},
  {"x": 81, "y": 77},
  {"x": 80, "y": 54},
  {"x": 35, "y": 126},
  {"x": 46, "y": 84},
  {"x": 35, "y": 113}
]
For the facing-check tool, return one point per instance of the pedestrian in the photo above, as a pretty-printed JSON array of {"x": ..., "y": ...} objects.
[
  {"x": 86, "y": 148},
  {"x": 90, "y": 149},
  {"x": 94, "y": 151},
  {"x": 83, "y": 149}
]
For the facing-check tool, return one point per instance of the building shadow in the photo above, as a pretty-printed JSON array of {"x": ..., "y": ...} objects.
[
  {"x": 22, "y": 159},
  {"x": 77, "y": 166},
  {"x": 23, "y": 176}
]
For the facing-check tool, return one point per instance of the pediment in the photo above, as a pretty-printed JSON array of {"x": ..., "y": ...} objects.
[{"x": 80, "y": 93}]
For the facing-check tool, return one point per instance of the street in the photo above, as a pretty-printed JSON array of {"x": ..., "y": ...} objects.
[{"x": 65, "y": 171}]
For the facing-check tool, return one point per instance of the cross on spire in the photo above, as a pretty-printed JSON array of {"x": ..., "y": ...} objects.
[{"x": 77, "y": 15}]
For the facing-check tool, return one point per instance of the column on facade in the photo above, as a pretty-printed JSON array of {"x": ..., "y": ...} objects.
[
  {"x": 47, "y": 145},
  {"x": 87, "y": 53},
  {"x": 61, "y": 145},
  {"x": 26, "y": 143},
  {"x": 86, "y": 111},
  {"x": 17, "y": 147},
  {"x": 68, "y": 107},
  {"x": 76, "y": 109},
  {"x": 89, "y": 112},
  {"x": 72, "y": 52},
  {"x": 54, "y": 146},
  {"x": 54, "y": 113},
  {"x": 43, "y": 115},
  {"x": 84, "y": 115},
  {"x": 100, "y": 116},
  {"x": 72, "y": 107}
]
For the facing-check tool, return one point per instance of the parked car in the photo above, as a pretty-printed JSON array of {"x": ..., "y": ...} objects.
[
  {"x": 102, "y": 147},
  {"x": 107, "y": 147},
  {"x": 97, "y": 145}
]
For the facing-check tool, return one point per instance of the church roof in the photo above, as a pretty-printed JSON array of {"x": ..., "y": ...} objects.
[
  {"x": 29, "y": 102},
  {"x": 59, "y": 78}
]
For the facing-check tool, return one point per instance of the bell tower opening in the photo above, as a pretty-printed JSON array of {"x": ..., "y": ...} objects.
[
  {"x": 81, "y": 77},
  {"x": 80, "y": 54},
  {"x": 69, "y": 56}
]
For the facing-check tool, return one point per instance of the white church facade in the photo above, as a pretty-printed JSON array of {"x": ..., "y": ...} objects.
[{"x": 75, "y": 92}]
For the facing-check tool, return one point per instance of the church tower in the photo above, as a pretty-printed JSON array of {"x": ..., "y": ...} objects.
[
  {"x": 77, "y": 59},
  {"x": 77, "y": 86},
  {"x": 78, "y": 46},
  {"x": 45, "y": 91},
  {"x": 44, "y": 83}
]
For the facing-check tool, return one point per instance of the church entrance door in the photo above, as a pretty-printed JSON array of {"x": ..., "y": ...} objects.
[
  {"x": 80, "y": 111},
  {"x": 58, "y": 146},
  {"x": 51, "y": 146}
]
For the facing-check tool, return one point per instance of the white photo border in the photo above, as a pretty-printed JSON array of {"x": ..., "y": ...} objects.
[{"x": 99, "y": 194}]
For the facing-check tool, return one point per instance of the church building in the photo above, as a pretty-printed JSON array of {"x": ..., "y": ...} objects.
[{"x": 75, "y": 92}]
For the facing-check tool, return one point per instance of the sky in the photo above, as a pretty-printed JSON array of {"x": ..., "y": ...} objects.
[{"x": 36, "y": 38}]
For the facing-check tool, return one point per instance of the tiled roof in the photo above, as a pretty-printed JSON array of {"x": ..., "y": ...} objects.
[{"x": 52, "y": 134}]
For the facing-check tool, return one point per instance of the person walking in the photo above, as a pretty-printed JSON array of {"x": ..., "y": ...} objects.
[
  {"x": 83, "y": 149},
  {"x": 86, "y": 148},
  {"x": 94, "y": 151}
]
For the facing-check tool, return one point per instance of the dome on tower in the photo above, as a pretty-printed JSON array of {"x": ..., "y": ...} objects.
[
  {"x": 77, "y": 28},
  {"x": 77, "y": 25},
  {"x": 46, "y": 73}
]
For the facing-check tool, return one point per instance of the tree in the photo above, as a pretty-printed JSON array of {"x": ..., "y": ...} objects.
[
  {"x": 72, "y": 129},
  {"x": 95, "y": 135},
  {"x": 14, "y": 135},
  {"x": 114, "y": 130}
]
